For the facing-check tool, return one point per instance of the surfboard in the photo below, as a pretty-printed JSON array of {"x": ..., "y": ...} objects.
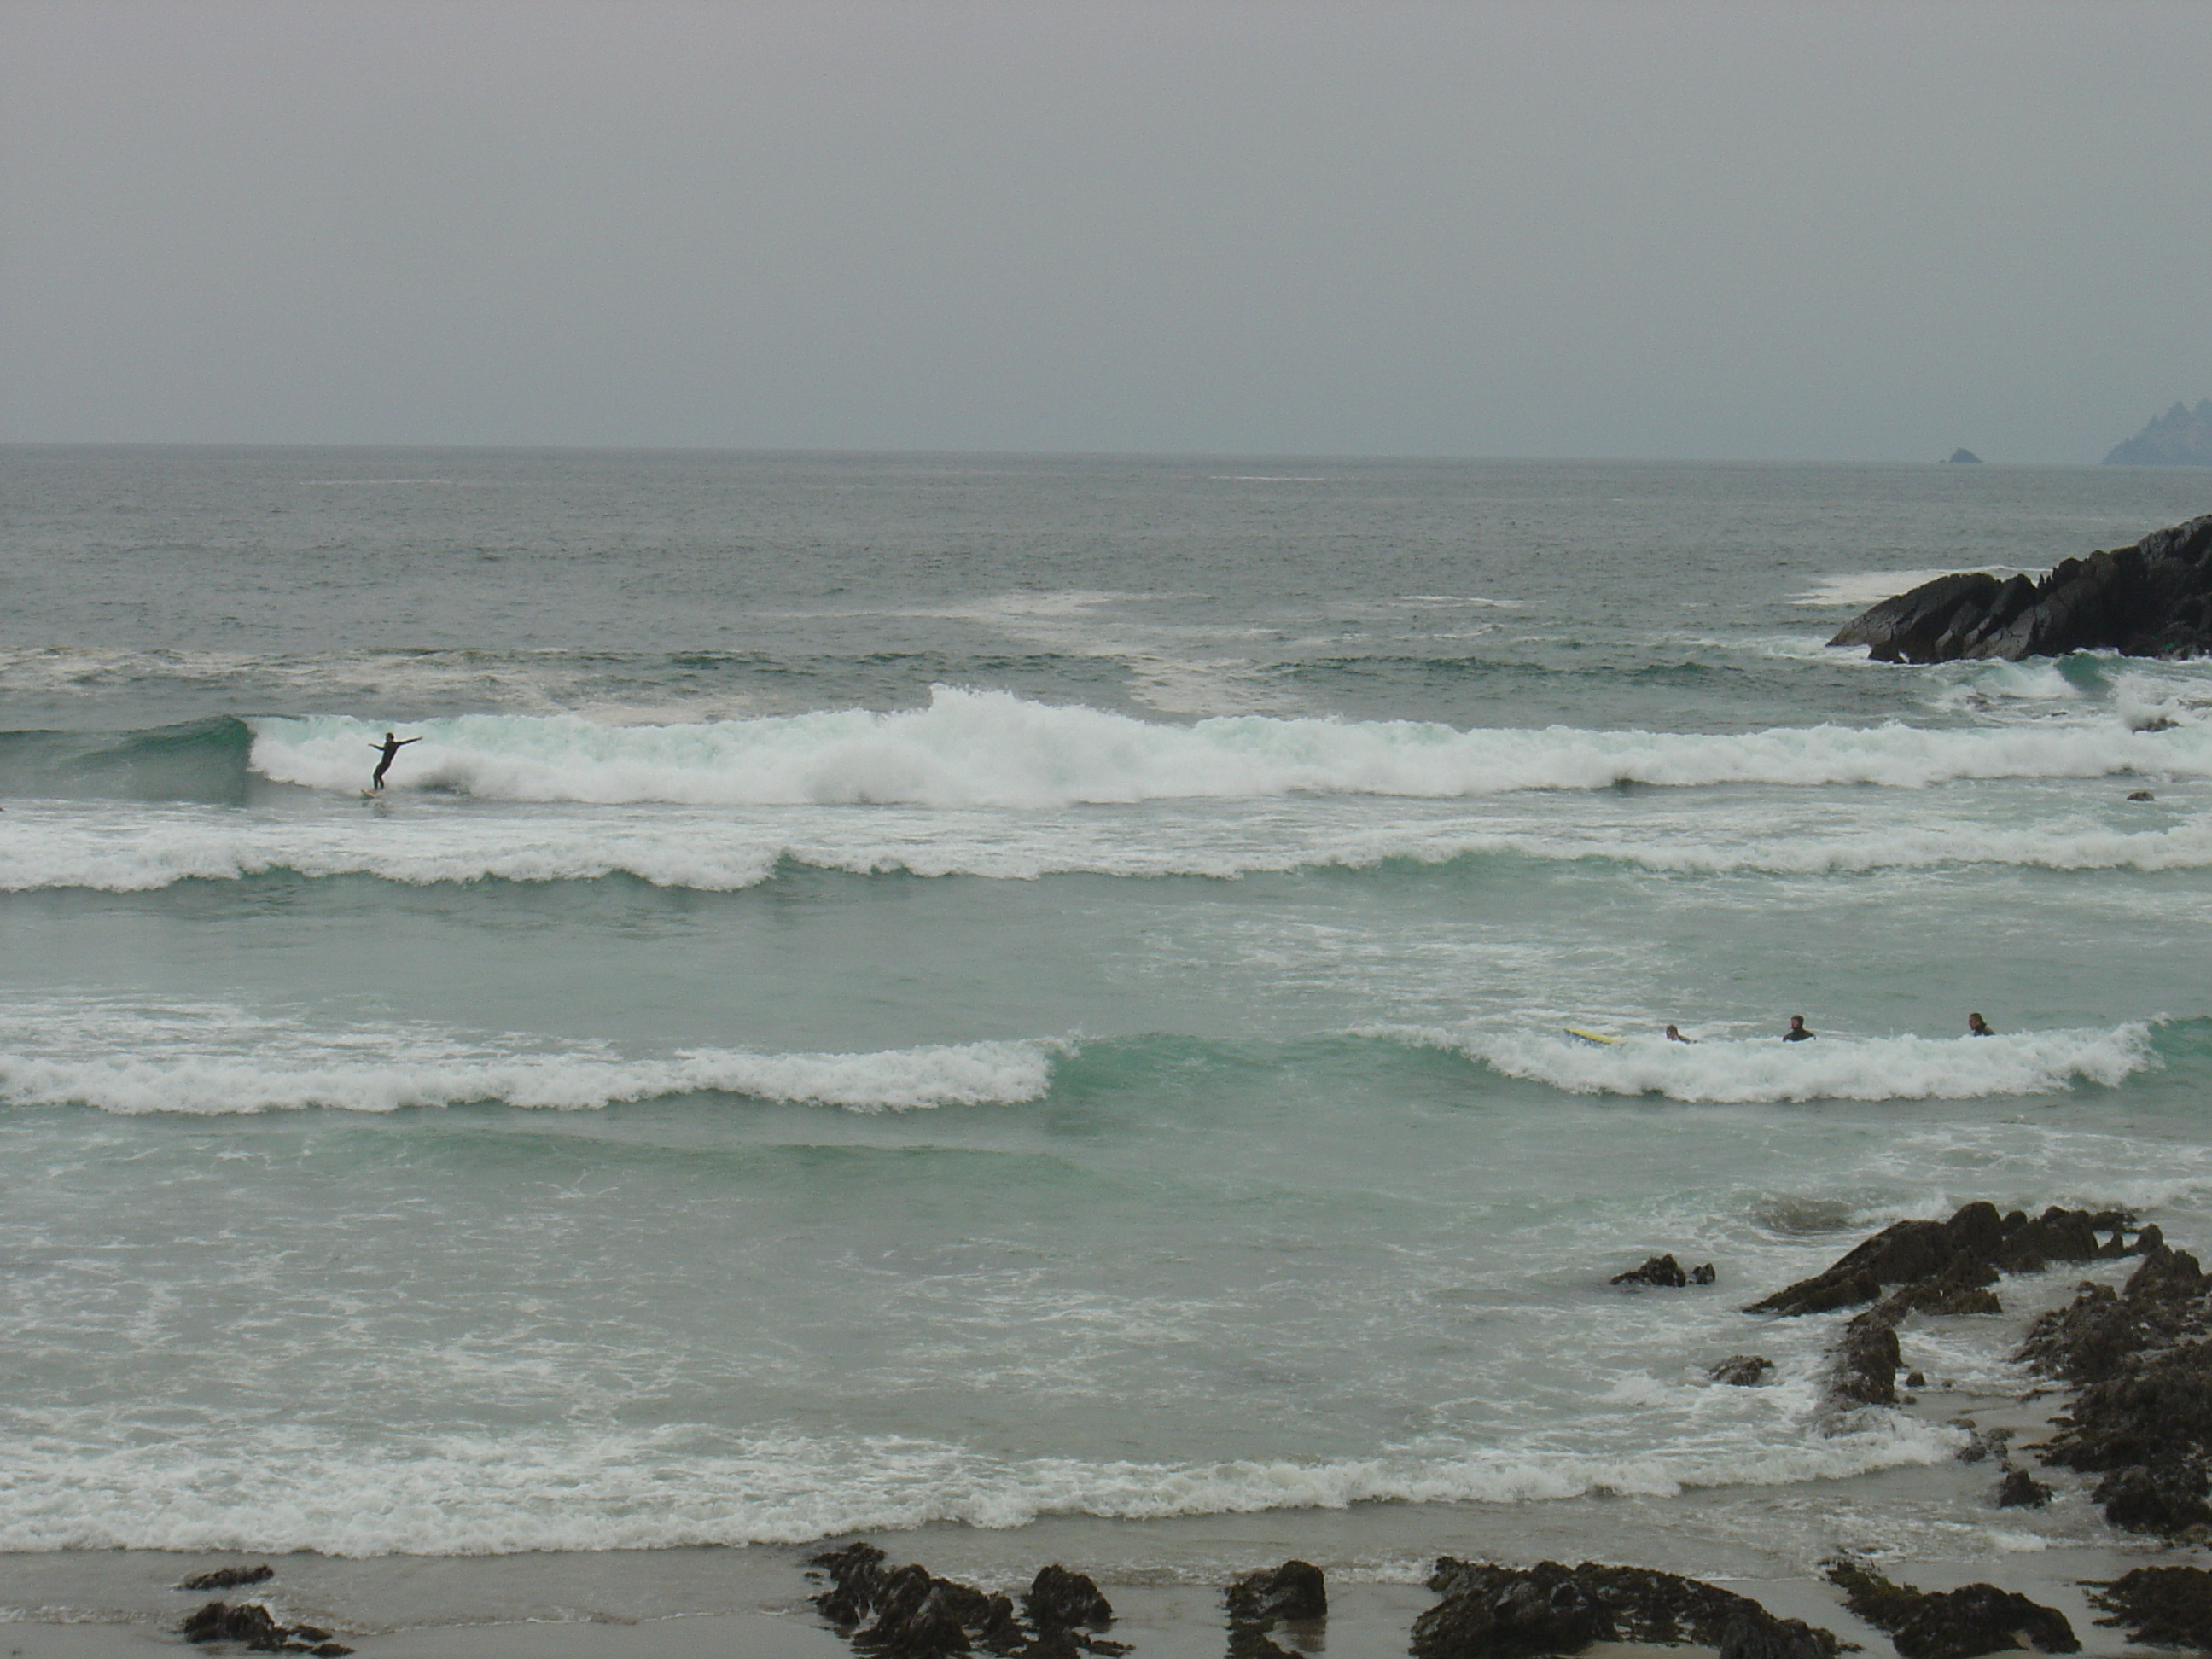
[{"x": 1587, "y": 1036}]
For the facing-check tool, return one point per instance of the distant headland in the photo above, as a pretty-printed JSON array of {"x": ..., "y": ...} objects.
[{"x": 2180, "y": 437}]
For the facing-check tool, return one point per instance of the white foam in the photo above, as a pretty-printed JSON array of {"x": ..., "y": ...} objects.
[
  {"x": 990, "y": 747},
  {"x": 213, "y": 1059},
  {"x": 476, "y": 1493},
  {"x": 1737, "y": 1071}
]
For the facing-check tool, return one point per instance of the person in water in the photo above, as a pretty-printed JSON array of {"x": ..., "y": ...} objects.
[
  {"x": 1674, "y": 1036},
  {"x": 390, "y": 746},
  {"x": 1976, "y": 1026},
  {"x": 1796, "y": 1033}
]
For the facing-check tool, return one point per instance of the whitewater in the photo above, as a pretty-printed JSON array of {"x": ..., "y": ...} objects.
[{"x": 974, "y": 999}]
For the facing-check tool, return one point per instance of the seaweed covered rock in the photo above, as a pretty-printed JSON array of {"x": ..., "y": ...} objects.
[
  {"x": 909, "y": 1614},
  {"x": 2160, "y": 1606},
  {"x": 2153, "y": 599},
  {"x": 1959, "y": 1624},
  {"x": 1487, "y": 1610}
]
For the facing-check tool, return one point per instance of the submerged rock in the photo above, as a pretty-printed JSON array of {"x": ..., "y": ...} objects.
[
  {"x": 2153, "y": 599},
  {"x": 1667, "y": 1273},
  {"x": 1959, "y": 1624},
  {"x": 1740, "y": 1370},
  {"x": 1489, "y": 1612}
]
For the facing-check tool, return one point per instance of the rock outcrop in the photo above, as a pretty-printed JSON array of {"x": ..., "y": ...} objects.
[
  {"x": 1489, "y": 1612},
  {"x": 1964, "y": 458},
  {"x": 2180, "y": 437},
  {"x": 1959, "y": 1624},
  {"x": 2153, "y": 599}
]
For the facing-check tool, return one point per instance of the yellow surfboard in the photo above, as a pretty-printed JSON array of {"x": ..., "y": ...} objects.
[{"x": 1587, "y": 1036}]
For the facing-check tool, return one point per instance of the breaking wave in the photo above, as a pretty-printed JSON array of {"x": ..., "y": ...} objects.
[
  {"x": 293, "y": 1076},
  {"x": 1740, "y": 1071},
  {"x": 994, "y": 749}
]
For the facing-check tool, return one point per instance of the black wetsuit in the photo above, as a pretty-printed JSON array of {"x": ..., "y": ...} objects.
[
  {"x": 391, "y": 746},
  {"x": 1797, "y": 1034}
]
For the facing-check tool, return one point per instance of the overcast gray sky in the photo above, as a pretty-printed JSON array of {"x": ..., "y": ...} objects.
[{"x": 1771, "y": 230}]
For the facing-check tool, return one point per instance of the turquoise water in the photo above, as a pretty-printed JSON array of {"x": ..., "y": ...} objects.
[{"x": 899, "y": 990}]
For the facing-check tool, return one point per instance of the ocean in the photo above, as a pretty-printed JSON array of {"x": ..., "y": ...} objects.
[{"x": 1018, "y": 1006}]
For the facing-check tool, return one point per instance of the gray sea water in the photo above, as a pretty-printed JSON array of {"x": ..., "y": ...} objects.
[{"x": 1002, "y": 993}]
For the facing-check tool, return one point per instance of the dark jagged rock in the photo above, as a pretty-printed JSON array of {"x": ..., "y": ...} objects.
[
  {"x": 1959, "y": 1624},
  {"x": 1703, "y": 1274},
  {"x": 1740, "y": 1370},
  {"x": 1489, "y": 1612},
  {"x": 2180, "y": 437},
  {"x": 2153, "y": 599},
  {"x": 916, "y": 1615},
  {"x": 1294, "y": 1590},
  {"x": 2019, "y": 1490},
  {"x": 1252, "y": 1642},
  {"x": 251, "y": 1625},
  {"x": 1662, "y": 1271},
  {"x": 2160, "y": 1606},
  {"x": 229, "y": 1578}
]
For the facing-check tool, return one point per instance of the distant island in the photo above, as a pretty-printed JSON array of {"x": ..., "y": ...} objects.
[
  {"x": 1964, "y": 457},
  {"x": 2180, "y": 437}
]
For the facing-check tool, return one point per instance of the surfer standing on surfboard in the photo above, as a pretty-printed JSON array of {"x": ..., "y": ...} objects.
[{"x": 390, "y": 746}]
